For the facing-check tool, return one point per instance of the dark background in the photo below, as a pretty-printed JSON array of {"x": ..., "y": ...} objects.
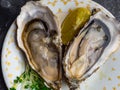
[{"x": 9, "y": 9}]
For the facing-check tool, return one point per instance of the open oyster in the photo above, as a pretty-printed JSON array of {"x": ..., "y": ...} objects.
[
  {"x": 39, "y": 37},
  {"x": 90, "y": 49}
]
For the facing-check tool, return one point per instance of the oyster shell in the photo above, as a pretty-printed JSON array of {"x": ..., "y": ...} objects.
[
  {"x": 39, "y": 37},
  {"x": 91, "y": 48}
]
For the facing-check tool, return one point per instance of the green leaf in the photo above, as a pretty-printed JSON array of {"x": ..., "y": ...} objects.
[
  {"x": 12, "y": 89},
  {"x": 26, "y": 86}
]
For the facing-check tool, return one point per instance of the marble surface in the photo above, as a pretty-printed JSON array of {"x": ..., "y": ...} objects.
[
  {"x": 112, "y": 5},
  {"x": 10, "y": 9}
]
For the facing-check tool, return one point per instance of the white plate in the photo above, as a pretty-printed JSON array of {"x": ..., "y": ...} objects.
[{"x": 106, "y": 78}]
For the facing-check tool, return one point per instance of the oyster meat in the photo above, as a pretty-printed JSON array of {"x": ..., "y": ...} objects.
[
  {"x": 91, "y": 48},
  {"x": 39, "y": 37}
]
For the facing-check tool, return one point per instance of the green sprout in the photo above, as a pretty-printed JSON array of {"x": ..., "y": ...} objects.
[{"x": 29, "y": 80}]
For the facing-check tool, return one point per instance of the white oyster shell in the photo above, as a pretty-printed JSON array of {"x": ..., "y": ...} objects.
[
  {"x": 91, "y": 48},
  {"x": 39, "y": 37}
]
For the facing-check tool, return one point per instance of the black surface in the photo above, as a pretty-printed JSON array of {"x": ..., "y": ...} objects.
[
  {"x": 112, "y": 5},
  {"x": 9, "y": 9}
]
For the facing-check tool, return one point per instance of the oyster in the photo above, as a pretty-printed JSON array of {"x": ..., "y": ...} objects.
[
  {"x": 39, "y": 37},
  {"x": 91, "y": 48}
]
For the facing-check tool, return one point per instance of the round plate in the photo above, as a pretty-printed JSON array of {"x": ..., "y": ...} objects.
[{"x": 106, "y": 78}]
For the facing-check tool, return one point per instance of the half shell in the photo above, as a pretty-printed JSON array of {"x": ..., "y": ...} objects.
[
  {"x": 39, "y": 37},
  {"x": 91, "y": 48}
]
